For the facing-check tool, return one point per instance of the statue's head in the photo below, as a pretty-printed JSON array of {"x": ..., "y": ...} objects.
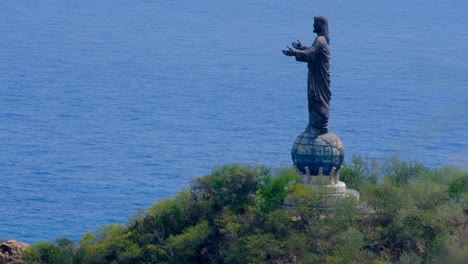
[{"x": 321, "y": 27}]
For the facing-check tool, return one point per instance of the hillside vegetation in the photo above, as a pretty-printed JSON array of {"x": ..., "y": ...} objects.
[{"x": 407, "y": 213}]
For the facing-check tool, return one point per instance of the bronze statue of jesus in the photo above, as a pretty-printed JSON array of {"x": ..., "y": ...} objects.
[{"x": 317, "y": 57}]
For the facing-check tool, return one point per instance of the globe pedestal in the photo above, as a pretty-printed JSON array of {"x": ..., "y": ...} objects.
[
  {"x": 318, "y": 154},
  {"x": 319, "y": 158}
]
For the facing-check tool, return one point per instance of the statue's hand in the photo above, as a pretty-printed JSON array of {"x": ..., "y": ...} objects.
[
  {"x": 297, "y": 45},
  {"x": 289, "y": 52}
]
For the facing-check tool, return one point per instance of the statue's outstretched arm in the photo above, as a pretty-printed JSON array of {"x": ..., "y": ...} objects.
[
  {"x": 289, "y": 52},
  {"x": 307, "y": 55},
  {"x": 298, "y": 45}
]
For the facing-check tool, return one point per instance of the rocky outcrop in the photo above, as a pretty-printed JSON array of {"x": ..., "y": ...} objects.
[{"x": 10, "y": 251}]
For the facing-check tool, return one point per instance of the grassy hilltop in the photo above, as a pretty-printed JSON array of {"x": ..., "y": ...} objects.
[{"x": 407, "y": 213}]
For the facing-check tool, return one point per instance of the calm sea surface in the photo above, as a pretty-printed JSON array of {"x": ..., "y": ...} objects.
[{"x": 109, "y": 106}]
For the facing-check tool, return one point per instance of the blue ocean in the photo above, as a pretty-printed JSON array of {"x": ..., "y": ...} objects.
[{"x": 109, "y": 106}]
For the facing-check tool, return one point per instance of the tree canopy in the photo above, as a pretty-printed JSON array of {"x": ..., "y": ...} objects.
[{"x": 407, "y": 213}]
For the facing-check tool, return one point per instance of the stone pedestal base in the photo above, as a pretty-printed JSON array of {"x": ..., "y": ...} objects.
[
  {"x": 339, "y": 189},
  {"x": 329, "y": 191},
  {"x": 333, "y": 189}
]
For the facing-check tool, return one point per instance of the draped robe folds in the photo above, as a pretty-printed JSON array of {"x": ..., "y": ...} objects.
[{"x": 318, "y": 84}]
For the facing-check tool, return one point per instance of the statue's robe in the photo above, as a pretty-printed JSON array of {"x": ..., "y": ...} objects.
[{"x": 318, "y": 84}]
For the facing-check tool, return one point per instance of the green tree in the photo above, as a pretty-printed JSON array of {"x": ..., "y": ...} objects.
[
  {"x": 274, "y": 189},
  {"x": 407, "y": 213},
  {"x": 233, "y": 185},
  {"x": 399, "y": 172},
  {"x": 360, "y": 172},
  {"x": 48, "y": 253},
  {"x": 189, "y": 246}
]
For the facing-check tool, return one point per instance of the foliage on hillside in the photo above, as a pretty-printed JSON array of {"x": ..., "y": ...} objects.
[{"x": 407, "y": 214}]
